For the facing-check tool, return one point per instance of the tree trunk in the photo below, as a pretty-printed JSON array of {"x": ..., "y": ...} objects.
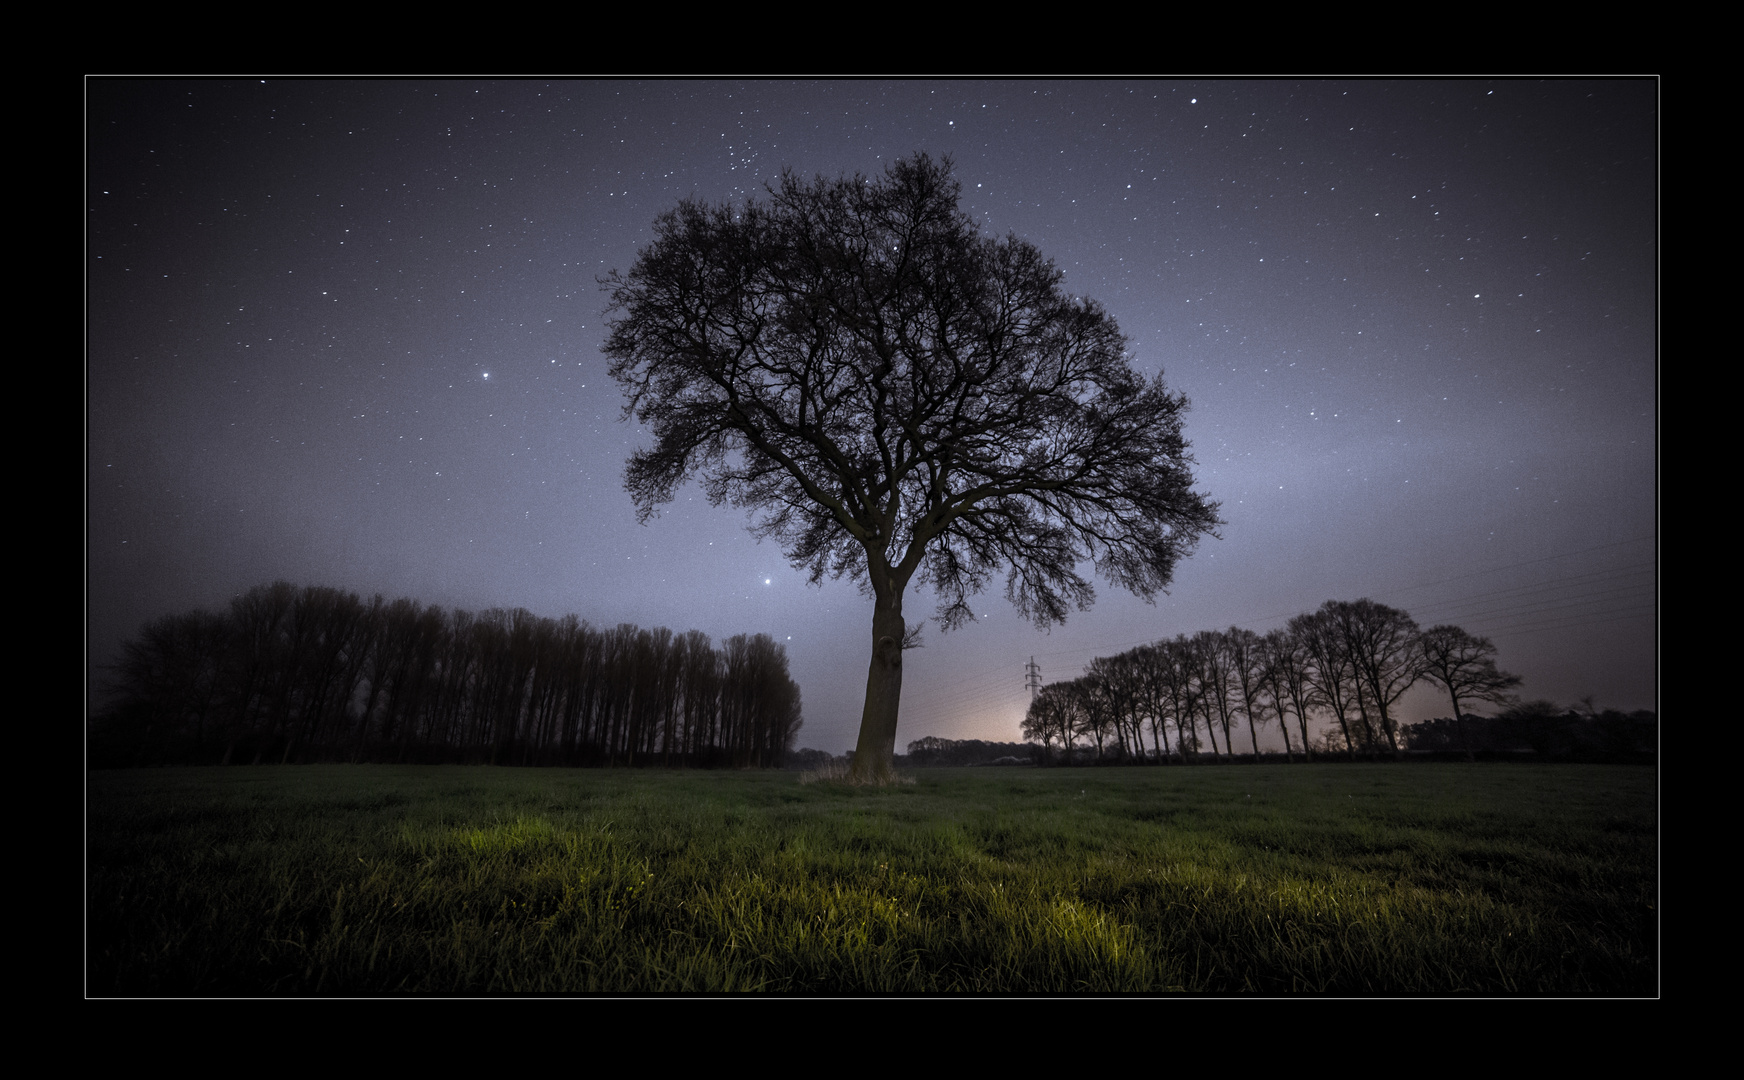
[
  {"x": 1349, "y": 743},
  {"x": 1459, "y": 723},
  {"x": 363, "y": 725},
  {"x": 877, "y": 743}
]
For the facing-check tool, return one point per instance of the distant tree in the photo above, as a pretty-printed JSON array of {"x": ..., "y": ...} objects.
[
  {"x": 384, "y": 627},
  {"x": 1217, "y": 685},
  {"x": 166, "y": 685},
  {"x": 1444, "y": 733},
  {"x": 761, "y": 705},
  {"x": 1096, "y": 703},
  {"x": 1381, "y": 647},
  {"x": 808, "y": 759},
  {"x": 1288, "y": 681},
  {"x": 702, "y": 694},
  {"x": 1336, "y": 741},
  {"x": 1330, "y": 672},
  {"x": 1248, "y": 663},
  {"x": 929, "y": 750},
  {"x": 343, "y": 638},
  {"x": 903, "y": 400},
  {"x": 1180, "y": 670},
  {"x": 1626, "y": 733},
  {"x": 1150, "y": 670},
  {"x": 934, "y": 751},
  {"x": 1465, "y": 667},
  {"x": 257, "y": 618},
  {"x": 312, "y": 674},
  {"x": 1054, "y": 713},
  {"x": 1123, "y": 691},
  {"x": 299, "y": 637},
  {"x": 1545, "y": 726}
]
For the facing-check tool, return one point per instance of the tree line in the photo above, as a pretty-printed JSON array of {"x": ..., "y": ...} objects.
[
  {"x": 933, "y": 751},
  {"x": 307, "y": 674},
  {"x": 1581, "y": 732},
  {"x": 1348, "y": 663}
]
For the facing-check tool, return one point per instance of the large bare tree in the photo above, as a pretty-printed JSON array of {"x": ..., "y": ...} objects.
[{"x": 901, "y": 400}]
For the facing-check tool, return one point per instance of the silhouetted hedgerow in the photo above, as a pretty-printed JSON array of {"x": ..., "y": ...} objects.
[
  {"x": 316, "y": 674},
  {"x": 936, "y": 752},
  {"x": 1545, "y": 731}
]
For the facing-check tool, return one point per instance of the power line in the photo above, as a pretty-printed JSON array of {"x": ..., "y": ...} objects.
[{"x": 1528, "y": 562}]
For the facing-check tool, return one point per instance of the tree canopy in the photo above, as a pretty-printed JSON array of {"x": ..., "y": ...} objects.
[
  {"x": 318, "y": 674},
  {"x": 1464, "y": 665},
  {"x": 898, "y": 399}
]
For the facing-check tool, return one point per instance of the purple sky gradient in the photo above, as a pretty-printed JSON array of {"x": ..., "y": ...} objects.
[{"x": 347, "y": 333}]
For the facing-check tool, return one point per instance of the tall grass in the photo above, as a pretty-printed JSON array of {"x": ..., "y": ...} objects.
[{"x": 1481, "y": 879}]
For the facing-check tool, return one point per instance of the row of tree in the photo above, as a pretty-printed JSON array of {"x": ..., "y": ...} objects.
[
  {"x": 933, "y": 751},
  {"x": 316, "y": 674},
  {"x": 1349, "y": 662},
  {"x": 1582, "y": 732}
]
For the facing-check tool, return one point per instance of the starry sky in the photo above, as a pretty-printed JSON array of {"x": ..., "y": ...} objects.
[{"x": 347, "y": 333}]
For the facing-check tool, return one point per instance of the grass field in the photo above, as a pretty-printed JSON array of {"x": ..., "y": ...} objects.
[{"x": 1352, "y": 879}]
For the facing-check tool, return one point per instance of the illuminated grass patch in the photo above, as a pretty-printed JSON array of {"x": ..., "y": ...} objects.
[{"x": 1332, "y": 879}]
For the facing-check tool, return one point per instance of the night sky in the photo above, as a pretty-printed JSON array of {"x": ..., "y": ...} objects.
[{"x": 347, "y": 334}]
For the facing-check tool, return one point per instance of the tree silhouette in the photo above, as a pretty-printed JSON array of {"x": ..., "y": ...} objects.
[
  {"x": 901, "y": 400},
  {"x": 1179, "y": 660},
  {"x": 1247, "y": 664},
  {"x": 1381, "y": 642},
  {"x": 1056, "y": 711},
  {"x": 1465, "y": 666},
  {"x": 316, "y": 674},
  {"x": 1330, "y": 674},
  {"x": 1217, "y": 685},
  {"x": 1151, "y": 694},
  {"x": 1288, "y": 679},
  {"x": 1121, "y": 686}
]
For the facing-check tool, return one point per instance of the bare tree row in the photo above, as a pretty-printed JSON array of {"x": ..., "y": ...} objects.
[
  {"x": 1348, "y": 663},
  {"x": 316, "y": 674}
]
